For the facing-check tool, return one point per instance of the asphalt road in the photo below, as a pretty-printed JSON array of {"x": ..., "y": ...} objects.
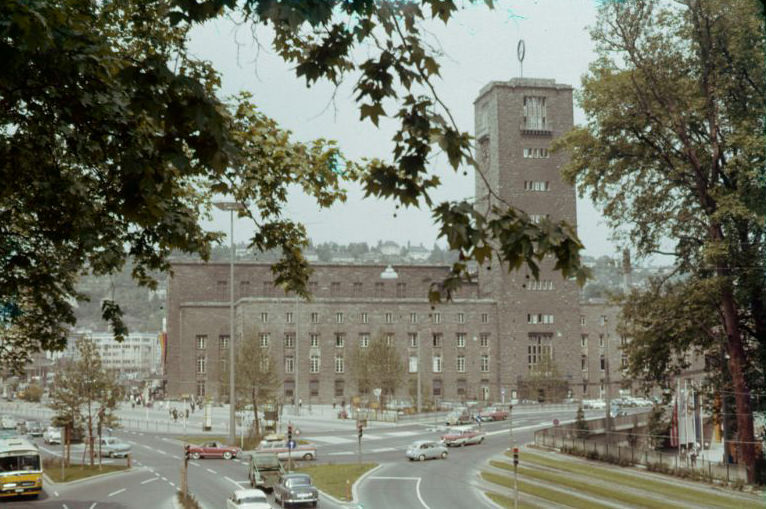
[{"x": 157, "y": 462}]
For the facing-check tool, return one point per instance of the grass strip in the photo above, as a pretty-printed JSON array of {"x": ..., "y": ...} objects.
[
  {"x": 562, "y": 480},
  {"x": 75, "y": 472},
  {"x": 336, "y": 479},
  {"x": 507, "y": 502},
  {"x": 567, "y": 499},
  {"x": 659, "y": 487}
]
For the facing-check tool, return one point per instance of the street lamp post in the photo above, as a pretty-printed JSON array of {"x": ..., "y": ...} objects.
[{"x": 231, "y": 207}]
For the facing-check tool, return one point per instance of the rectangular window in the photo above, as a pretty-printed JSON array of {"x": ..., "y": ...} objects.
[
  {"x": 623, "y": 361},
  {"x": 537, "y": 185},
  {"x": 314, "y": 363},
  {"x": 314, "y": 317},
  {"x": 584, "y": 341},
  {"x": 401, "y": 290},
  {"x": 264, "y": 317},
  {"x": 461, "y": 364},
  {"x": 536, "y": 153},
  {"x": 603, "y": 320},
  {"x": 357, "y": 289},
  {"x": 339, "y": 385},
  {"x": 339, "y": 339},
  {"x": 201, "y": 342},
  {"x": 339, "y": 363},
  {"x": 437, "y": 363},
  {"x": 289, "y": 389},
  {"x": 539, "y": 318},
  {"x": 289, "y": 317},
  {"x": 364, "y": 318},
  {"x": 221, "y": 288},
  {"x": 460, "y": 339},
  {"x": 379, "y": 289},
  {"x": 389, "y": 339},
  {"x": 538, "y": 218},
  {"x": 338, "y": 317},
  {"x": 201, "y": 365},
  {"x": 413, "y": 318},
  {"x": 223, "y": 341},
  {"x": 545, "y": 284},
  {"x": 461, "y": 318},
  {"x": 437, "y": 339},
  {"x": 484, "y": 339},
  {"x": 314, "y": 340},
  {"x": 364, "y": 340},
  {"x": 289, "y": 364},
  {"x": 539, "y": 350},
  {"x": 535, "y": 113},
  {"x": 603, "y": 363},
  {"x": 335, "y": 289},
  {"x": 413, "y": 364},
  {"x": 437, "y": 388},
  {"x": 582, "y": 320},
  {"x": 244, "y": 288},
  {"x": 264, "y": 339},
  {"x": 601, "y": 340},
  {"x": 584, "y": 363},
  {"x": 389, "y": 318},
  {"x": 314, "y": 387},
  {"x": 289, "y": 340},
  {"x": 484, "y": 363},
  {"x": 437, "y": 318},
  {"x": 485, "y": 318},
  {"x": 201, "y": 389},
  {"x": 413, "y": 339}
]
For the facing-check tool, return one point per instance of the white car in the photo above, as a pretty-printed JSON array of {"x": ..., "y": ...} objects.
[
  {"x": 52, "y": 436},
  {"x": 247, "y": 499}
]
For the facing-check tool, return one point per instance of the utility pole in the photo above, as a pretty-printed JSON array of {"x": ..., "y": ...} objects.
[
  {"x": 516, "y": 477},
  {"x": 420, "y": 396},
  {"x": 608, "y": 392},
  {"x": 360, "y": 430},
  {"x": 297, "y": 362}
]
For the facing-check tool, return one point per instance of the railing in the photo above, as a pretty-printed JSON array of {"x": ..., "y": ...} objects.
[{"x": 565, "y": 438}]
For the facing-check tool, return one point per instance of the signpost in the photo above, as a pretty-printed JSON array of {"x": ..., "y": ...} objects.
[{"x": 516, "y": 477}]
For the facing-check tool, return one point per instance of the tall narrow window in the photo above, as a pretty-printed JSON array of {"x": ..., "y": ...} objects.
[
  {"x": 289, "y": 317},
  {"x": 201, "y": 342},
  {"x": 389, "y": 318},
  {"x": 413, "y": 318},
  {"x": 340, "y": 339},
  {"x": 314, "y": 340},
  {"x": 289, "y": 340},
  {"x": 314, "y": 363},
  {"x": 484, "y": 363},
  {"x": 485, "y": 318},
  {"x": 364, "y": 340},
  {"x": 484, "y": 339},
  {"x": 201, "y": 365},
  {"x": 289, "y": 364},
  {"x": 437, "y": 339},
  {"x": 338, "y": 317},
  {"x": 437, "y": 363},
  {"x": 461, "y": 318},
  {"x": 460, "y": 339},
  {"x": 314, "y": 317},
  {"x": 339, "y": 363},
  {"x": 534, "y": 113},
  {"x": 413, "y": 339},
  {"x": 223, "y": 341},
  {"x": 413, "y": 364},
  {"x": 436, "y": 318},
  {"x": 264, "y": 339},
  {"x": 264, "y": 317},
  {"x": 461, "y": 363},
  {"x": 364, "y": 318}
]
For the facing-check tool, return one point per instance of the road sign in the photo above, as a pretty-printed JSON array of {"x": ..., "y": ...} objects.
[
  {"x": 555, "y": 422},
  {"x": 291, "y": 444}
]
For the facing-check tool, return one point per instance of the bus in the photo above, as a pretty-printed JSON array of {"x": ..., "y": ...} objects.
[{"x": 21, "y": 468}]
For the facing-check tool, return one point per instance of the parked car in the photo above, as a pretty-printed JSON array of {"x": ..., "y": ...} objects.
[
  {"x": 422, "y": 450},
  {"x": 265, "y": 470},
  {"x": 300, "y": 452},
  {"x": 295, "y": 489},
  {"x": 247, "y": 499},
  {"x": 33, "y": 428},
  {"x": 52, "y": 436},
  {"x": 459, "y": 437},
  {"x": 8, "y": 422},
  {"x": 493, "y": 413},
  {"x": 459, "y": 417},
  {"x": 213, "y": 449},
  {"x": 112, "y": 447}
]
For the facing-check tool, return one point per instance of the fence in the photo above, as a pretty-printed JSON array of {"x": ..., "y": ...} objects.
[{"x": 565, "y": 438}]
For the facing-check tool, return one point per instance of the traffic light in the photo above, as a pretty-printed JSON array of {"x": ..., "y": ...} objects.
[
  {"x": 360, "y": 428},
  {"x": 289, "y": 432},
  {"x": 515, "y": 456}
]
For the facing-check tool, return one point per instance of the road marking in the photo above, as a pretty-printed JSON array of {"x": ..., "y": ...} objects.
[
  {"x": 373, "y": 437},
  {"x": 141, "y": 434},
  {"x": 341, "y": 453},
  {"x": 161, "y": 452},
  {"x": 148, "y": 447},
  {"x": 170, "y": 483},
  {"x": 384, "y": 449},
  {"x": 176, "y": 457},
  {"x": 92, "y": 505},
  {"x": 117, "y": 492},
  {"x": 402, "y": 433},
  {"x": 235, "y": 483},
  {"x": 164, "y": 439},
  {"x": 333, "y": 440},
  {"x": 420, "y": 497},
  {"x": 194, "y": 463},
  {"x": 66, "y": 507},
  {"x": 417, "y": 485},
  {"x": 132, "y": 442},
  {"x": 56, "y": 493},
  {"x": 149, "y": 480},
  {"x": 164, "y": 478},
  {"x": 211, "y": 471}
]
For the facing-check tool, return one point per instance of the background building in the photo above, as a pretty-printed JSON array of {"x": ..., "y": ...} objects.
[{"x": 506, "y": 336}]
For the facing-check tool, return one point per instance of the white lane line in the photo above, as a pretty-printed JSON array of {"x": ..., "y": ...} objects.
[
  {"x": 170, "y": 483},
  {"x": 417, "y": 485},
  {"x": 92, "y": 505},
  {"x": 148, "y": 447},
  {"x": 176, "y": 457},
  {"x": 384, "y": 449},
  {"x": 149, "y": 480},
  {"x": 402, "y": 433},
  {"x": 117, "y": 492},
  {"x": 235, "y": 483},
  {"x": 141, "y": 434},
  {"x": 66, "y": 506},
  {"x": 164, "y": 439},
  {"x": 164, "y": 478},
  {"x": 332, "y": 440},
  {"x": 56, "y": 493},
  {"x": 341, "y": 453},
  {"x": 194, "y": 463},
  {"x": 420, "y": 497},
  {"x": 162, "y": 452},
  {"x": 211, "y": 471},
  {"x": 132, "y": 442}
]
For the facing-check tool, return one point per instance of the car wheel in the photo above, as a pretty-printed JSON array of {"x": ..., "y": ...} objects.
[
  {"x": 227, "y": 455},
  {"x": 421, "y": 457},
  {"x": 481, "y": 440},
  {"x": 308, "y": 456},
  {"x": 444, "y": 455},
  {"x": 196, "y": 455},
  {"x": 462, "y": 444}
]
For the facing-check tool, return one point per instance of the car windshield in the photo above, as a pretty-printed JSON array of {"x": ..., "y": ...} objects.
[
  {"x": 298, "y": 481},
  {"x": 252, "y": 499}
]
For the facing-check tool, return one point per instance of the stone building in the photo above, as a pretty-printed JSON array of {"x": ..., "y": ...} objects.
[{"x": 491, "y": 343}]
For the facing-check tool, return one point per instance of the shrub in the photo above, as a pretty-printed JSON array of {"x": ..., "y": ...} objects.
[{"x": 33, "y": 393}]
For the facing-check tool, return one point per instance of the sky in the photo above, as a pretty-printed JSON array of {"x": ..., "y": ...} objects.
[{"x": 479, "y": 46}]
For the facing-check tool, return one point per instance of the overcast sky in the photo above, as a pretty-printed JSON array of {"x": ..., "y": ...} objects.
[{"x": 479, "y": 46}]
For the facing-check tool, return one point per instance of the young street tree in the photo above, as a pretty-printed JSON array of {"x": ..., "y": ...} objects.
[
  {"x": 378, "y": 366},
  {"x": 673, "y": 151},
  {"x": 113, "y": 143},
  {"x": 85, "y": 395}
]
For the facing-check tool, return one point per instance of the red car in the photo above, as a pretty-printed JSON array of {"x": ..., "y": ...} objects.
[
  {"x": 213, "y": 450},
  {"x": 460, "y": 437},
  {"x": 493, "y": 414}
]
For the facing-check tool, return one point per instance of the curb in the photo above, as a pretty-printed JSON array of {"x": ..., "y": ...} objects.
[{"x": 354, "y": 497}]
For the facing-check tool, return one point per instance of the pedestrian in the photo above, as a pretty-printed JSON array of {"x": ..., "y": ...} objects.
[
  {"x": 187, "y": 414},
  {"x": 175, "y": 415},
  {"x": 300, "y": 403}
]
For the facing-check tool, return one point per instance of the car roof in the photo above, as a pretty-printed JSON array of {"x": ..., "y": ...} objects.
[{"x": 248, "y": 493}]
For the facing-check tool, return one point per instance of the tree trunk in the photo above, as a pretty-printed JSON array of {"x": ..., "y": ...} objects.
[{"x": 737, "y": 364}]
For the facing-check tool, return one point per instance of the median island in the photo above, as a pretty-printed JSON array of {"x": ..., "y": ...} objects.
[
  {"x": 336, "y": 479},
  {"x": 74, "y": 472}
]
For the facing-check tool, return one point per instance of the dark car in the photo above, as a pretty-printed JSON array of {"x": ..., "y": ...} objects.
[{"x": 295, "y": 489}]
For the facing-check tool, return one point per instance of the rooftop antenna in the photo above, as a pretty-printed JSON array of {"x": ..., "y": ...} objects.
[{"x": 521, "y": 50}]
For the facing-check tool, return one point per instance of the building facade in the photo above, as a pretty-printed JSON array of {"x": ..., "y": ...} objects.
[
  {"x": 492, "y": 343},
  {"x": 140, "y": 354}
]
